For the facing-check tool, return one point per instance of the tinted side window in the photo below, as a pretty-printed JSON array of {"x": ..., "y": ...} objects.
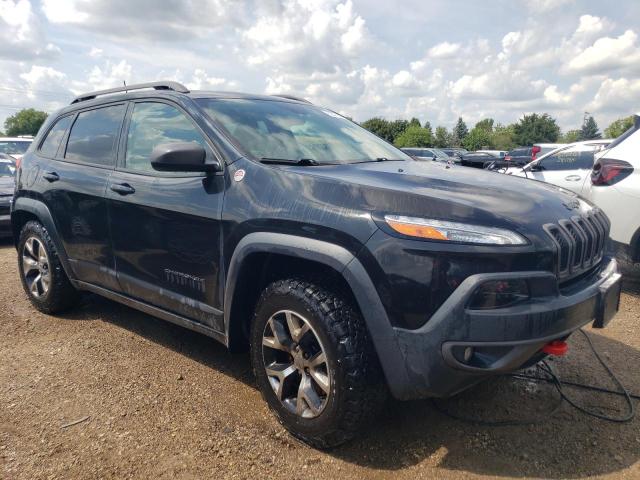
[
  {"x": 153, "y": 124},
  {"x": 570, "y": 159},
  {"x": 94, "y": 136},
  {"x": 52, "y": 141}
]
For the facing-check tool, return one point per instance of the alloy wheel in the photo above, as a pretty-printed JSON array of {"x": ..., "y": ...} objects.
[
  {"x": 296, "y": 364},
  {"x": 35, "y": 267}
]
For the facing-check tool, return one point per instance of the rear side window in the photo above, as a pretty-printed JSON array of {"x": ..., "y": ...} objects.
[
  {"x": 153, "y": 124},
  {"x": 574, "y": 158},
  {"x": 50, "y": 145},
  {"x": 94, "y": 136}
]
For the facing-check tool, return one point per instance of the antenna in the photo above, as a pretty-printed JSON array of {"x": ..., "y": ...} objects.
[{"x": 124, "y": 82}]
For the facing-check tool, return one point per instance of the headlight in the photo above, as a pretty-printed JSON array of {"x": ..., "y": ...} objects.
[{"x": 453, "y": 231}]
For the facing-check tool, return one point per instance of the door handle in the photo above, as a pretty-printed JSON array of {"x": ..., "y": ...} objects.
[
  {"x": 51, "y": 176},
  {"x": 122, "y": 188},
  {"x": 573, "y": 178}
]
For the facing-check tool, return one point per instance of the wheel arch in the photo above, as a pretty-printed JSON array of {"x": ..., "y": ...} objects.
[
  {"x": 26, "y": 209},
  {"x": 247, "y": 274}
]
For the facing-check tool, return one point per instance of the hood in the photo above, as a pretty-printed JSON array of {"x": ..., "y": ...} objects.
[
  {"x": 7, "y": 185},
  {"x": 456, "y": 193}
]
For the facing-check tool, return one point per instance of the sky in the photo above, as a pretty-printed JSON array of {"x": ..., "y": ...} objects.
[{"x": 432, "y": 59}]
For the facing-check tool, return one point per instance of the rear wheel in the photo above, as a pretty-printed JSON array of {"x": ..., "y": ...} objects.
[
  {"x": 43, "y": 278},
  {"x": 314, "y": 362}
]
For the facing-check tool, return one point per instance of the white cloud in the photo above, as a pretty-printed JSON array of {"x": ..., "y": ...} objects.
[
  {"x": 95, "y": 52},
  {"x": 542, "y": 6},
  {"x": 21, "y": 34},
  {"x": 444, "y": 50},
  {"x": 619, "y": 95},
  {"x": 608, "y": 54}
]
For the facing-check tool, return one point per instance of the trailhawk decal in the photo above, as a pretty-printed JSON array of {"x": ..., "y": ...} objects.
[{"x": 184, "y": 280}]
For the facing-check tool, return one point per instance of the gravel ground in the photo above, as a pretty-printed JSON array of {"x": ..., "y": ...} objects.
[{"x": 158, "y": 401}]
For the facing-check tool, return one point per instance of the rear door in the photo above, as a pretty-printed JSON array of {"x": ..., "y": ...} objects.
[
  {"x": 567, "y": 168},
  {"x": 73, "y": 176},
  {"x": 165, "y": 226}
]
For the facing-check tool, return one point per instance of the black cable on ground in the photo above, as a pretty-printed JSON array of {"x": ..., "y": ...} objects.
[{"x": 553, "y": 379}]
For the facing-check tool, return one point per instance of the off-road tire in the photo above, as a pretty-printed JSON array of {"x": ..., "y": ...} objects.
[
  {"x": 358, "y": 389},
  {"x": 61, "y": 294}
]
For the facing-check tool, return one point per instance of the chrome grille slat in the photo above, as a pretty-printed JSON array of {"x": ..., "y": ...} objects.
[{"x": 579, "y": 242}]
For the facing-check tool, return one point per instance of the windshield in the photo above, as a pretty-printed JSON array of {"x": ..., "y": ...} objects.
[
  {"x": 6, "y": 170},
  {"x": 291, "y": 131},
  {"x": 14, "y": 146}
]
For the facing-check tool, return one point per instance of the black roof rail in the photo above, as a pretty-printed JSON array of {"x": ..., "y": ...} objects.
[
  {"x": 175, "y": 86},
  {"x": 291, "y": 97}
]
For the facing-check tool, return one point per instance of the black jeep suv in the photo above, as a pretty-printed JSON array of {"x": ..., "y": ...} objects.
[{"x": 346, "y": 268}]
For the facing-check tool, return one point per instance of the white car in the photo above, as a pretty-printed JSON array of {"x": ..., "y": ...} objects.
[
  {"x": 15, "y": 146},
  {"x": 614, "y": 186},
  {"x": 567, "y": 167}
]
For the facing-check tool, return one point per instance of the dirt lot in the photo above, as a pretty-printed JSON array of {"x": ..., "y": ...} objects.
[{"x": 163, "y": 402}]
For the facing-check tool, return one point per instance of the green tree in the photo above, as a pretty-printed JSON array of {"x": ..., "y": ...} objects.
[
  {"x": 414, "y": 122},
  {"x": 618, "y": 127},
  {"x": 589, "y": 129},
  {"x": 380, "y": 127},
  {"x": 414, "y": 136},
  {"x": 460, "y": 131},
  {"x": 442, "y": 138},
  {"x": 571, "y": 136},
  {"x": 476, "y": 139},
  {"x": 536, "y": 128},
  {"x": 502, "y": 137},
  {"x": 486, "y": 124},
  {"x": 26, "y": 122},
  {"x": 427, "y": 126},
  {"x": 397, "y": 128}
]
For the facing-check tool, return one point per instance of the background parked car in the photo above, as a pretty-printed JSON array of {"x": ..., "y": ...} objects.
[
  {"x": 478, "y": 159},
  {"x": 522, "y": 155},
  {"x": 7, "y": 185},
  {"x": 496, "y": 153},
  {"x": 568, "y": 167},
  {"x": 455, "y": 152},
  {"x": 429, "y": 154},
  {"x": 614, "y": 186},
  {"x": 544, "y": 148},
  {"x": 15, "y": 146}
]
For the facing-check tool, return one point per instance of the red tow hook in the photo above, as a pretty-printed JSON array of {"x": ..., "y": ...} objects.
[{"x": 557, "y": 348}]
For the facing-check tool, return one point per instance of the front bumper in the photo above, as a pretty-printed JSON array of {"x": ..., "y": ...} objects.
[{"x": 501, "y": 340}]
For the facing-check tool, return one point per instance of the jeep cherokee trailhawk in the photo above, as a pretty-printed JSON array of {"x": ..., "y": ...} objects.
[{"x": 346, "y": 268}]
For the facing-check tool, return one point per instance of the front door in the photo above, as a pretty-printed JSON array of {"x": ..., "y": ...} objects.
[{"x": 166, "y": 227}]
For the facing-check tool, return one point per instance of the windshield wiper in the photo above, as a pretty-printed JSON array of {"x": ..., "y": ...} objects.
[
  {"x": 306, "y": 162},
  {"x": 380, "y": 159}
]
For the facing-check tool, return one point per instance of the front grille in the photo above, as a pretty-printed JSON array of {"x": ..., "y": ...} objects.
[{"x": 579, "y": 241}]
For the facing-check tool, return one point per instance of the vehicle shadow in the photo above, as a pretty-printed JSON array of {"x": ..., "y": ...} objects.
[{"x": 567, "y": 444}]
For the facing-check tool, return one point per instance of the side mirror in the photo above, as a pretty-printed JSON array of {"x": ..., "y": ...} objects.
[
  {"x": 536, "y": 168},
  {"x": 182, "y": 157}
]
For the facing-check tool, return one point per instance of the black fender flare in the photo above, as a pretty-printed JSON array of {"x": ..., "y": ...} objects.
[
  {"x": 40, "y": 210},
  {"x": 346, "y": 264}
]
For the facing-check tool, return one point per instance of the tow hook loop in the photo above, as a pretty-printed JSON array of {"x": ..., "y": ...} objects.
[{"x": 557, "y": 348}]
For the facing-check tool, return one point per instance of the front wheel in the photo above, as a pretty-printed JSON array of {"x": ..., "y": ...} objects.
[{"x": 314, "y": 362}]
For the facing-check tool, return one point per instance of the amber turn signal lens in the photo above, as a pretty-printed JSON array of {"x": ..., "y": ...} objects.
[{"x": 416, "y": 230}]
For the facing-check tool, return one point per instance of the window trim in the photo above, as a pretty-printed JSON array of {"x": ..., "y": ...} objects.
[
  {"x": 65, "y": 141},
  {"x": 38, "y": 150},
  {"x": 122, "y": 151}
]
